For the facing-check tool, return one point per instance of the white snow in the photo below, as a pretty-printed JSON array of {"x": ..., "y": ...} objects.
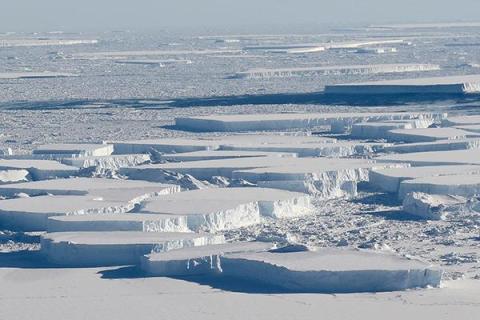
[
  {"x": 84, "y": 249},
  {"x": 331, "y": 270},
  {"x": 164, "y": 145},
  {"x": 437, "y": 85},
  {"x": 202, "y": 260},
  {"x": 430, "y": 207},
  {"x": 339, "y": 122}
]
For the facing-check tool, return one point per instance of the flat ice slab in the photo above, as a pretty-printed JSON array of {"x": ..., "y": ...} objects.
[
  {"x": 75, "y": 149},
  {"x": 437, "y": 85},
  {"x": 228, "y": 208},
  {"x": 340, "y": 122},
  {"x": 118, "y": 222},
  {"x": 31, "y": 214},
  {"x": 221, "y": 154},
  {"x": 165, "y": 145},
  {"x": 461, "y": 121},
  {"x": 85, "y": 249},
  {"x": 440, "y": 145},
  {"x": 40, "y": 169},
  {"x": 335, "y": 70},
  {"x": 466, "y": 185},
  {"x": 430, "y": 206},
  {"x": 108, "y": 162},
  {"x": 34, "y": 75},
  {"x": 389, "y": 179},
  {"x": 202, "y": 260},
  {"x": 428, "y": 134},
  {"x": 111, "y": 189},
  {"x": 380, "y": 130},
  {"x": 331, "y": 271},
  {"x": 454, "y": 157}
]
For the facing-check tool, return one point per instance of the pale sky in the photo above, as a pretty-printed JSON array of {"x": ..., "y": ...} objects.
[{"x": 87, "y": 15}]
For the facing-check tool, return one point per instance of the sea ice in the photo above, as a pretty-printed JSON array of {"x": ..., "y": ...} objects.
[
  {"x": 75, "y": 150},
  {"x": 465, "y": 185}
]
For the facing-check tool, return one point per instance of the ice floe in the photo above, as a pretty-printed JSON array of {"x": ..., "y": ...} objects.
[
  {"x": 203, "y": 260},
  {"x": 86, "y": 249},
  {"x": 430, "y": 206},
  {"x": 331, "y": 270},
  {"x": 335, "y": 70},
  {"x": 339, "y": 122},
  {"x": 39, "y": 169},
  {"x": 438, "y": 85},
  {"x": 228, "y": 208}
]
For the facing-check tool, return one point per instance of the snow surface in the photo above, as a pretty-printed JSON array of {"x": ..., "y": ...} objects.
[
  {"x": 453, "y": 157},
  {"x": 465, "y": 185},
  {"x": 428, "y": 134},
  {"x": 34, "y": 75}
]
